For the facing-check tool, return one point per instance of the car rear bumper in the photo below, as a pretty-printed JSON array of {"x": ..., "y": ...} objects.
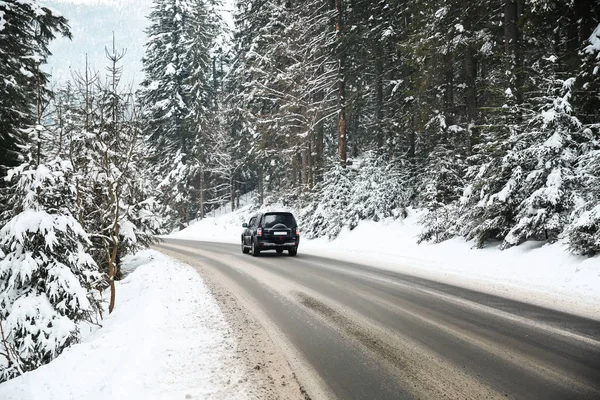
[{"x": 273, "y": 245}]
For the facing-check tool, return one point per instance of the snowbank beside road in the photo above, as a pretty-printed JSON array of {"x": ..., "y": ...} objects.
[
  {"x": 224, "y": 227},
  {"x": 534, "y": 272},
  {"x": 166, "y": 339}
]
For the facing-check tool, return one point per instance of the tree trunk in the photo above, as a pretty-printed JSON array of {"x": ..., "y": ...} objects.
[
  {"x": 309, "y": 167},
  {"x": 201, "y": 193},
  {"x": 512, "y": 44},
  {"x": 232, "y": 189},
  {"x": 318, "y": 152},
  {"x": 380, "y": 139},
  {"x": 342, "y": 138},
  {"x": 471, "y": 95},
  {"x": 295, "y": 172},
  {"x": 412, "y": 140},
  {"x": 261, "y": 193},
  {"x": 510, "y": 26},
  {"x": 449, "y": 89},
  {"x": 183, "y": 217},
  {"x": 586, "y": 20},
  {"x": 112, "y": 259},
  {"x": 318, "y": 137},
  {"x": 305, "y": 156}
]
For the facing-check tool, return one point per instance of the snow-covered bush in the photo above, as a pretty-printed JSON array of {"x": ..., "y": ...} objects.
[
  {"x": 584, "y": 233},
  {"x": 328, "y": 204},
  {"x": 47, "y": 278},
  {"x": 438, "y": 224},
  {"x": 442, "y": 178},
  {"x": 377, "y": 191},
  {"x": 371, "y": 190},
  {"x": 548, "y": 177}
]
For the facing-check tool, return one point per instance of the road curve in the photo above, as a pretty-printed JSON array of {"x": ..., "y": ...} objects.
[{"x": 367, "y": 333}]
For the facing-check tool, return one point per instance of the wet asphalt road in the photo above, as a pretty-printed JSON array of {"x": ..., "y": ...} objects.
[{"x": 375, "y": 334}]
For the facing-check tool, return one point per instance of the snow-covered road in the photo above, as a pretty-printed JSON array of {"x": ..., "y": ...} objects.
[
  {"x": 352, "y": 331},
  {"x": 534, "y": 272},
  {"x": 169, "y": 339}
]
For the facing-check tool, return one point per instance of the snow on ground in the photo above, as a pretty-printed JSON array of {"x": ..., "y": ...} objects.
[
  {"x": 166, "y": 339},
  {"x": 546, "y": 275},
  {"x": 219, "y": 227},
  {"x": 222, "y": 225}
]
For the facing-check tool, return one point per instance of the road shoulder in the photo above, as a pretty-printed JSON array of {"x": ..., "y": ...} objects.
[{"x": 270, "y": 375}]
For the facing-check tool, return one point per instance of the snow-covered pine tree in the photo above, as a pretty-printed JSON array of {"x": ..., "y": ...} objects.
[
  {"x": 177, "y": 95},
  {"x": 285, "y": 76},
  {"x": 528, "y": 192},
  {"x": 379, "y": 191},
  {"x": 26, "y": 29},
  {"x": 371, "y": 189},
  {"x": 201, "y": 31},
  {"x": 547, "y": 165},
  {"x": 47, "y": 278},
  {"x": 98, "y": 129},
  {"x": 236, "y": 101},
  {"x": 165, "y": 99},
  {"x": 584, "y": 230},
  {"x": 439, "y": 184},
  {"x": 264, "y": 92},
  {"x": 440, "y": 178}
]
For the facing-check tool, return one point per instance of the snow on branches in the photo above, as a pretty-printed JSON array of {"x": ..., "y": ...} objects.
[{"x": 47, "y": 278}]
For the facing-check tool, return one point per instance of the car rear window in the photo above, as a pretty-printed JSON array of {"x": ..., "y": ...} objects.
[{"x": 271, "y": 220}]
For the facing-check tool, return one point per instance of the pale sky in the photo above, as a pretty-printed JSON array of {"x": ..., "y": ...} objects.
[{"x": 92, "y": 23}]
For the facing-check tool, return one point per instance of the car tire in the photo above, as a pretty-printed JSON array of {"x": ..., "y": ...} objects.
[
  {"x": 293, "y": 251},
  {"x": 279, "y": 251},
  {"x": 255, "y": 251},
  {"x": 245, "y": 250}
]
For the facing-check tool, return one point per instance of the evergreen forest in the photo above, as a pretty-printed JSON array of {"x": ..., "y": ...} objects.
[{"x": 484, "y": 113}]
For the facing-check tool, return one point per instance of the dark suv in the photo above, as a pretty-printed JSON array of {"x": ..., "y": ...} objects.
[{"x": 271, "y": 231}]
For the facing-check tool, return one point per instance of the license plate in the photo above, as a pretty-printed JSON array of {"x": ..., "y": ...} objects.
[{"x": 280, "y": 233}]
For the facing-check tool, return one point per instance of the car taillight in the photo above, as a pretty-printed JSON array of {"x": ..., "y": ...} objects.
[
  {"x": 259, "y": 231},
  {"x": 297, "y": 232}
]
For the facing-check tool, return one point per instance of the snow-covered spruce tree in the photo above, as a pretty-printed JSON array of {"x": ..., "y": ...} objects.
[
  {"x": 284, "y": 84},
  {"x": 440, "y": 179},
  {"x": 440, "y": 183},
  {"x": 584, "y": 230},
  {"x": 176, "y": 96},
  {"x": 26, "y": 29},
  {"x": 98, "y": 129},
  {"x": 165, "y": 99},
  {"x": 47, "y": 278},
  {"x": 378, "y": 191},
  {"x": 209, "y": 185},
  {"x": 528, "y": 192},
  {"x": 264, "y": 53}
]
